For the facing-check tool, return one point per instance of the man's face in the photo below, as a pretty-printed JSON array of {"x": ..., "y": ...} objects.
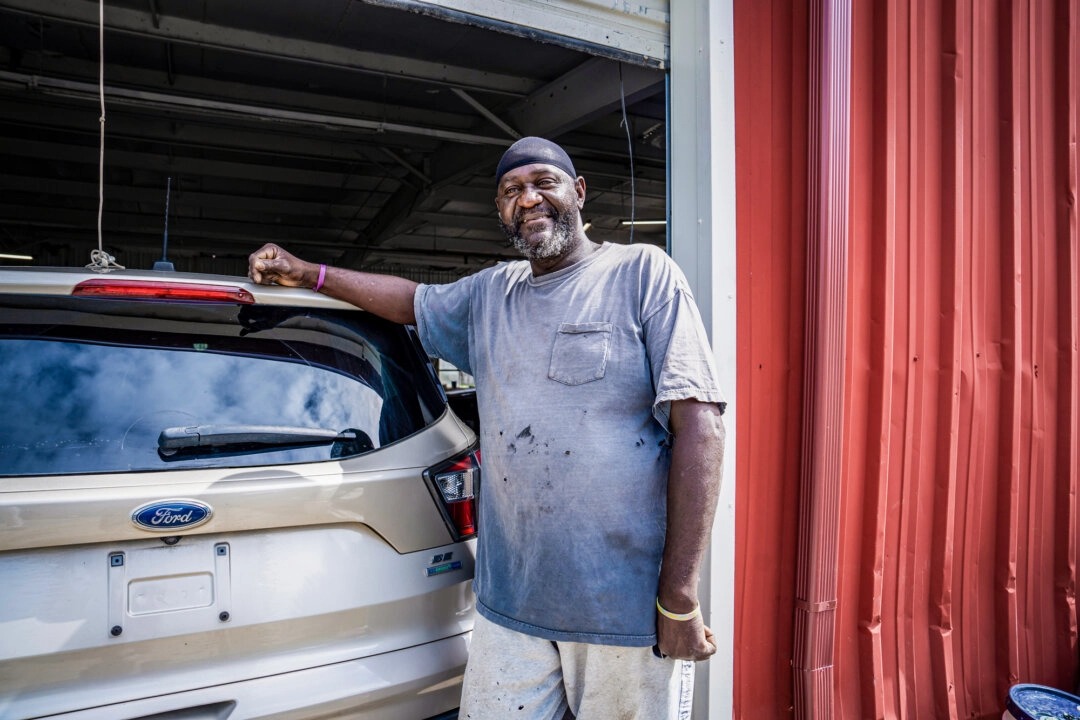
[{"x": 539, "y": 210}]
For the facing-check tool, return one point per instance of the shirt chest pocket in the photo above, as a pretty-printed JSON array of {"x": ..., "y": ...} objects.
[{"x": 580, "y": 352}]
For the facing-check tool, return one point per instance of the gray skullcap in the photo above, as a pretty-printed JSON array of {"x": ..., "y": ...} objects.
[{"x": 529, "y": 150}]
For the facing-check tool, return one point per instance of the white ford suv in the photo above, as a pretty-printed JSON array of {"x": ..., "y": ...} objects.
[{"x": 225, "y": 501}]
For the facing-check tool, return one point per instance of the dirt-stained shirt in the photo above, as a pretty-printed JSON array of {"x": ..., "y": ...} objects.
[{"x": 575, "y": 371}]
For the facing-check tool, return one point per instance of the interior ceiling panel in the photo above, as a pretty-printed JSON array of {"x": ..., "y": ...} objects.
[{"x": 351, "y": 133}]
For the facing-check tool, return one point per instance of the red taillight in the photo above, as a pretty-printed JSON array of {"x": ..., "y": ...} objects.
[
  {"x": 463, "y": 516},
  {"x": 146, "y": 290},
  {"x": 454, "y": 486}
]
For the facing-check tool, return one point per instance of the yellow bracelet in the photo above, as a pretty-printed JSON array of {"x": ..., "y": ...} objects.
[{"x": 680, "y": 617}]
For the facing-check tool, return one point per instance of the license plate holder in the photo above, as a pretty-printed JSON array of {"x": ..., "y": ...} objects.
[{"x": 165, "y": 590}]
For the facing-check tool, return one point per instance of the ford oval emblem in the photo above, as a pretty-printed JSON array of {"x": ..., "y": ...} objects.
[{"x": 171, "y": 515}]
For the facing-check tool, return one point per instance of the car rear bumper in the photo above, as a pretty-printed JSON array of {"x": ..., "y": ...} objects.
[{"x": 417, "y": 682}]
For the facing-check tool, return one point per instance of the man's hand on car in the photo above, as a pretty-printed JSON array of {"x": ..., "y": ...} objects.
[{"x": 272, "y": 265}]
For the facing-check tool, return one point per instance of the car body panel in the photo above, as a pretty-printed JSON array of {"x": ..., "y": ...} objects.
[
  {"x": 377, "y": 489},
  {"x": 412, "y": 683},
  {"x": 61, "y": 281},
  {"x": 310, "y": 589}
]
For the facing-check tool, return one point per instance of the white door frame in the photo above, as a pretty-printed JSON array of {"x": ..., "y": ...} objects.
[{"x": 701, "y": 190}]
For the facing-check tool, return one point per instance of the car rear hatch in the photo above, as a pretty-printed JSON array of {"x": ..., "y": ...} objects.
[{"x": 203, "y": 490}]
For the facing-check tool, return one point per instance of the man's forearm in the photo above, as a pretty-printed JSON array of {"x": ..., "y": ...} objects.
[
  {"x": 387, "y": 296},
  {"x": 693, "y": 491}
]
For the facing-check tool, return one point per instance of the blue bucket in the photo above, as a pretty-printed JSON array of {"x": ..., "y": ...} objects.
[{"x": 1037, "y": 702}]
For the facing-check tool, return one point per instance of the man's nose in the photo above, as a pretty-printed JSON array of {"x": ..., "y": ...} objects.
[{"x": 529, "y": 196}]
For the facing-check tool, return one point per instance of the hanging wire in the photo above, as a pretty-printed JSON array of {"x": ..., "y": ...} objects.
[
  {"x": 101, "y": 119},
  {"x": 101, "y": 261},
  {"x": 630, "y": 150}
]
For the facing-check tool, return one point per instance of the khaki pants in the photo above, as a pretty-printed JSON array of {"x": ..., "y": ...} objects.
[{"x": 512, "y": 676}]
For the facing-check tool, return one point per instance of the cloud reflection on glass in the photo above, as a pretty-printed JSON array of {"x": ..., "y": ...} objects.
[{"x": 81, "y": 407}]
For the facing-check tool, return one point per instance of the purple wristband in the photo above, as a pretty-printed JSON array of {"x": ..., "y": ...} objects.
[{"x": 322, "y": 278}]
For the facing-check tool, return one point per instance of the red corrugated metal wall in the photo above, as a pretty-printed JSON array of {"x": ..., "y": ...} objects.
[{"x": 959, "y": 523}]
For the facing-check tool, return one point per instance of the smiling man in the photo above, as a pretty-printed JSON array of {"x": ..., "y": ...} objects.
[
  {"x": 603, "y": 442},
  {"x": 551, "y": 215}
]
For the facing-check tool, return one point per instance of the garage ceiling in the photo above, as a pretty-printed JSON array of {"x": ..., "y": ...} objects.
[{"x": 351, "y": 133}]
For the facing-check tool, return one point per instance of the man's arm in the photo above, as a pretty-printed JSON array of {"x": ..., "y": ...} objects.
[
  {"x": 693, "y": 490},
  {"x": 387, "y": 296}
]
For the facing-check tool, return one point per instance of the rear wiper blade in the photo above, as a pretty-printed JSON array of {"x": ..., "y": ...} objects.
[{"x": 186, "y": 437}]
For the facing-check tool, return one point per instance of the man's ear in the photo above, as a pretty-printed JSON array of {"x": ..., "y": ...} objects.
[{"x": 579, "y": 188}]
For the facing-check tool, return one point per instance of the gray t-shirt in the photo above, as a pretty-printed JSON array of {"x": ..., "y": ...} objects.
[{"x": 575, "y": 371}]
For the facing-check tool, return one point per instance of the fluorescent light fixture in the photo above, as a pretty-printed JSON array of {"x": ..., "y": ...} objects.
[
  {"x": 587, "y": 226},
  {"x": 7, "y": 256},
  {"x": 643, "y": 222}
]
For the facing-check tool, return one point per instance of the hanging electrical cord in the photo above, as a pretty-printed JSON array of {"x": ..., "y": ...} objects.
[
  {"x": 101, "y": 119},
  {"x": 630, "y": 150},
  {"x": 101, "y": 261}
]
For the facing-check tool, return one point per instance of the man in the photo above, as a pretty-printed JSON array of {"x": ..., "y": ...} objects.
[{"x": 602, "y": 439}]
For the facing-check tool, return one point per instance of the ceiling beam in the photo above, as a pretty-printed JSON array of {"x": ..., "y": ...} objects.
[
  {"x": 488, "y": 114},
  {"x": 262, "y": 169},
  {"x": 465, "y": 222},
  {"x": 558, "y": 107},
  {"x": 494, "y": 246},
  {"x": 183, "y": 201},
  {"x": 39, "y": 63},
  {"x": 201, "y": 107},
  {"x": 82, "y": 123},
  {"x": 594, "y": 88},
  {"x": 179, "y": 228},
  {"x": 208, "y": 35}
]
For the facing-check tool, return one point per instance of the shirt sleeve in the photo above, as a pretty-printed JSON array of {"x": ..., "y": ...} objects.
[
  {"x": 680, "y": 355},
  {"x": 444, "y": 320}
]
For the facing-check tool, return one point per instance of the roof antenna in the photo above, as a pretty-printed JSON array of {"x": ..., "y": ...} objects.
[{"x": 163, "y": 263}]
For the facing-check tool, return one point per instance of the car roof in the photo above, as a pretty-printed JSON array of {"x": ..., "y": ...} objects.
[{"x": 62, "y": 280}]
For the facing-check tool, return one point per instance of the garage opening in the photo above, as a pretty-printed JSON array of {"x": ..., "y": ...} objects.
[{"x": 358, "y": 134}]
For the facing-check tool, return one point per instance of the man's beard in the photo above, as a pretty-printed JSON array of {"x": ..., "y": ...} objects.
[{"x": 555, "y": 244}]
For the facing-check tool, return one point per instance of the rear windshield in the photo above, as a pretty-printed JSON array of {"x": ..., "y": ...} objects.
[{"x": 96, "y": 385}]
